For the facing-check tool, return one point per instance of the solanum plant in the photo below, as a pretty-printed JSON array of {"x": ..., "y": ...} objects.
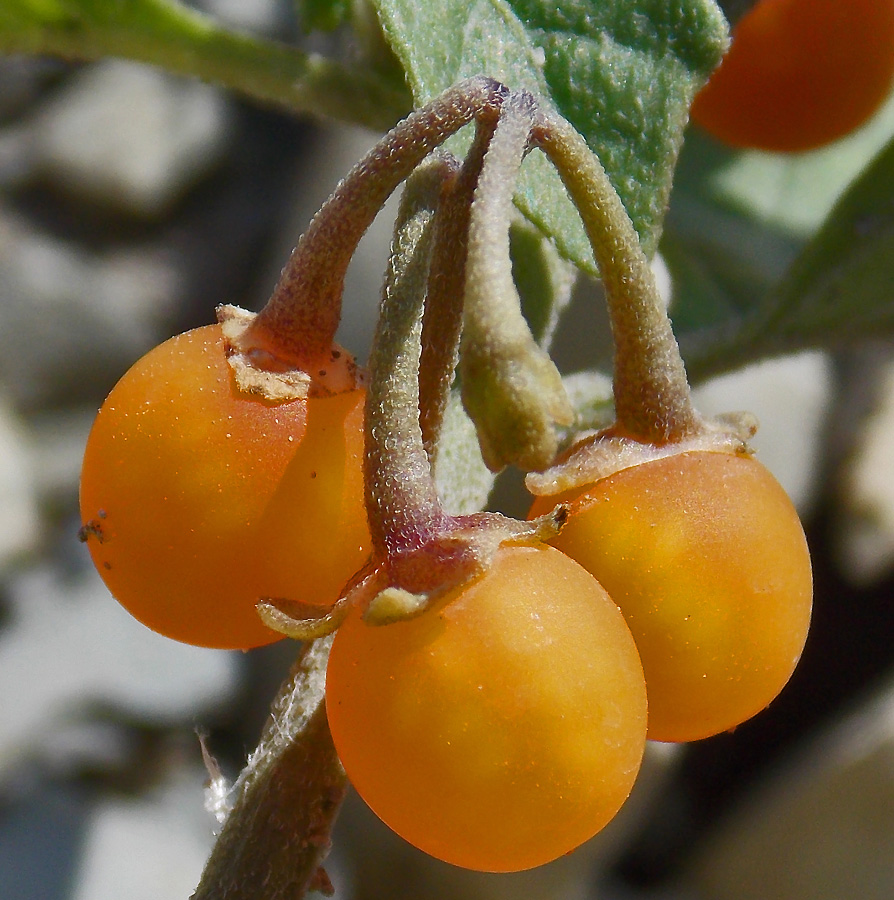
[{"x": 485, "y": 694}]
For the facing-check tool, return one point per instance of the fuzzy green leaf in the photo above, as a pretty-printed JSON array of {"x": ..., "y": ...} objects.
[
  {"x": 464, "y": 481},
  {"x": 622, "y": 71},
  {"x": 841, "y": 287},
  {"x": 720, "y": 242},
  {"x": 544, "y": 280}
]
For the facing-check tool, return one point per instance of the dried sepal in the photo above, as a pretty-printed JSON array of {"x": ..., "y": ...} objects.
[
  {"x": 259, "y": 368},
  {"x": 301, "y": 621},
  {"x": 596, "y": 456}
]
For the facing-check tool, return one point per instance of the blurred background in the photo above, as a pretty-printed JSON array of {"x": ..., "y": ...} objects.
[{"x": 131, "y": 204}]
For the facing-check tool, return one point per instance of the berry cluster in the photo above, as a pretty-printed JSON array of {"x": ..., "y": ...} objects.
[{"x": 491, "y": 683}]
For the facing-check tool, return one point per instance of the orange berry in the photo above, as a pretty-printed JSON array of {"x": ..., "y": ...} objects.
[
  {"x": 706, "y": 558},
  {"x": 800, "y": 74},
  {"x": 501, "y": 729},
  {"x": 199, "y": 499}
]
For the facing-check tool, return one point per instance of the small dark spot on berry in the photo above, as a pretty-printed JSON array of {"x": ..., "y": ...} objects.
[
  {"x": 322, "y": 373},
  {"x": 336, "y": 354},
  {"x": 94, "y": 528},
  {"x": 313, "y": 474},
  {"x": 107, "y": 565}
]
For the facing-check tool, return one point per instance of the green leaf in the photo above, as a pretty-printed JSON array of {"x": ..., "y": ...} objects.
[
  {"x": 590, "y": 393},
  {"x": 841, "y": 287},
  {"x": 464, "y": 481},
  {"x": 544, "y": 280},
  {"x": 724, "y": 255},
  {"x": 737, "y": 222},
  {"x": 622, "y": 71}
]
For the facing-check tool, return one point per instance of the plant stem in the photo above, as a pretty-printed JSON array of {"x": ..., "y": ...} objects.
[
  {"x": 302, "y": 316},
  {"x": 652, "y": 397},
  {"x": 277, "y": 833},
  {"x": 420, "y": 553},
  {"x": 493, "y": 316},
  {"x": 402, "y": 501},
  {"x": 443, "y": 319},
  {"x": 187, "y": 42},
  {"x": 511, "y": 388}
]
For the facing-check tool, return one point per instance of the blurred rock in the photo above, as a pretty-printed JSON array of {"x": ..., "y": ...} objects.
[
  {"x": 130, "y": 137},
  {"x": 149, "y": 847},
  {"x": 18, "y": 505},
  {"x": 41, "y": 836},
  {"x": 15, "y": 155},
  {"x": 822, "y": 828},
  {"x": 71, "y": 319},
  {"x": 865, "y": 530},
  {"x": 790, "y": 397},
  {"x": 69, "y": 648},
  {"x": 22, "y": 79},
  {"x": 58, "y": 439},
  {"x": 74, "y": 747},
  {"x": 316, "y": 174}
]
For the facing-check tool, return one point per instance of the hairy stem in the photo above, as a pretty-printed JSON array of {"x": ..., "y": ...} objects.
[
  {"x": 443, "y": 319},
  {"x": 652, "y": 398},
  {"x": 511, "y": 388},
  {"x": 303, "y": 314},
  {"x": 402, "y": 500},
  {"x": 277, "y": 832}
]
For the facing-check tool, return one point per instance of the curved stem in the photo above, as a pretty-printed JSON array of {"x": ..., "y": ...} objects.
[
  {"x": 493, "y": 309},
  {"x": 402, "y": 500},
  {"x": 652, "y": 397},
  {"x": 511, "y": 388},
  {"x": 443, "y": 319},
  {"x": 302, "y": 316}
]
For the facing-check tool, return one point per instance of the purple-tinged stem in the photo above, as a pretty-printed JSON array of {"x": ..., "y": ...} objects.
[
  {"x": 443, "y": 319},
  {"x": 402, "y": 501}
]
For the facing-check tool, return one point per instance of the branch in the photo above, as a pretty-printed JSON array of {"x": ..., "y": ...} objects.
[
  {"x": 287, "y": 798},
  {"x": 166, "y": 34}
]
